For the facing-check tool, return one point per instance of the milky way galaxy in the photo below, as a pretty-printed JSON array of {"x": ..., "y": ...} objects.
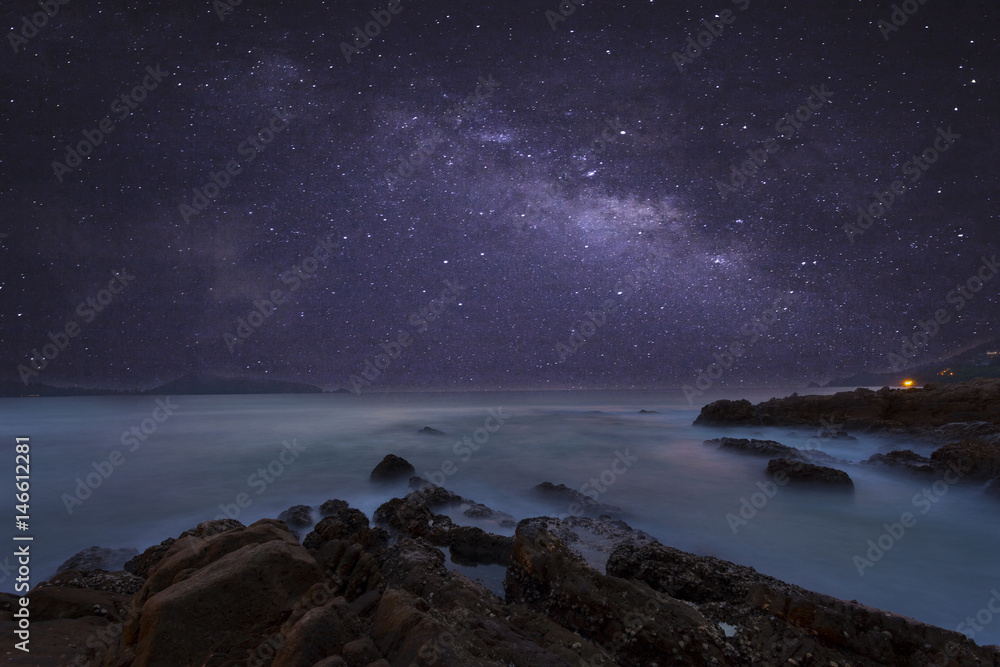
[{"x": 679, "y": 167}]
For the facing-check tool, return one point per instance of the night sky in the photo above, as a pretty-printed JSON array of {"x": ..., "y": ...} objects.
[{"x": 560, "y": 189}]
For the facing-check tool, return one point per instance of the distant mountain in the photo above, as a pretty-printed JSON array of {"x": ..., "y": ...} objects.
[
  {"x": 192, "y": 383},
  {"x": 202, "y": 383},
  {"x": 981, "y": 361}
]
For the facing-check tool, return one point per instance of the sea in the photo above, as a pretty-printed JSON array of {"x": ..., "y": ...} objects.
[{"x": 131, "y": 471}]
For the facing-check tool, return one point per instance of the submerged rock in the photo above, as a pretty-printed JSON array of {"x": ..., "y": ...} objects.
[
  {"x": 427, "y": 430},
  {"x": 572, "y": 502},
  {"x": 391, "y": 468},
  {"x": 769, "y": 448},
  {"x": 904, "y": 459},
  {"x": 796, "y": 472}
]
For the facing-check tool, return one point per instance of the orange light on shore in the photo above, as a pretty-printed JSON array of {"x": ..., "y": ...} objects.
[{"x": 907, "y": 383}]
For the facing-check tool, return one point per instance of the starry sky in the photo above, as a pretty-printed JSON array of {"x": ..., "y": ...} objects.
[{"x": 529, "y": 197}]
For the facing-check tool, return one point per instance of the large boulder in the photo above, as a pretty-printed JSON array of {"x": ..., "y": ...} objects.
[
  {"x": 219, "y": 608},
  {"x": 973, "y": 459},
  {"x": 800, "y": 472},
  {"x": 904, "y": 459},
  {"x": 727, "y": 412},
  {"x": 392, "y": 468},
  {"x": 638, "y": 625}
]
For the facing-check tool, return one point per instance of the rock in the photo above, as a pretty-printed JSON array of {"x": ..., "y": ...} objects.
[
  {"x": 322, "y": 632},
  {"x": 647, "y": 412},
  {"x": 427, "y": 430},
  {"x": 99, "y": 558},
  {"x": 725, "y": 412},
  {"x": 926, "y": 409},
  {"x": 573, "y": 502},
  {"x": 144, "y": 562},
  {"x": 297, "y": 516},
  {"x": 351, "y": 571},
  {"x": 332, "y": 507},
  {"x": 904, "y": 459},
  {"x": 800, "y": 472},
  {"x": 593, "y": 540},
  {"x": 768, "y": 448},
  {"x": 52, "y": 602},
  {"x": 638, "y": 625},
  {"x": 391, "y": 468},
  {"x": 121, "y": 582},
  {"x": 779, "y": 624},
  {"x": 435, "y": 498},
  {"x": 221, "y": 606},
  {"x": 347, "y": 524},
  {"x": 973, "y": 459}
]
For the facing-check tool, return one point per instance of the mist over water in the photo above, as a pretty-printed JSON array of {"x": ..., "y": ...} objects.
[{"x": 941, "y": 570}]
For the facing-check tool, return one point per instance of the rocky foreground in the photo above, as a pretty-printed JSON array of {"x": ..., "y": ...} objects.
[{"x": 578, "y": 591}]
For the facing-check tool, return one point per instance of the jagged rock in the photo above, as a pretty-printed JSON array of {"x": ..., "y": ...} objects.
[
  {"x": 572, "y": 501},
  {"x": 435, "y": 497},
  {"x": 427, "y": 430},
  {"x": 347, "y": 524},
  {"x": 224, "y": 599},
  {"x": 779, "y": 624},
  {"x": 332, "y": 507},
  {"x": 904, "y": 459},
  {"x": 144, "y": 562},
  {"x": 99, "y": 558},
  {"x": 768, "y": 448},
  {"x": 797, "y": 471},
  {"x": 297, "y": 516},
  {"x": 391, "y": 468},
  {"x": 351, "y": 571},
  {"x": 547, "y": 576},
  {"x": 724, "y": 412},
  {"x": 975, "y": 459},
  {"x": 594, "y": 540},
  {"x": 320, "y": 633}
]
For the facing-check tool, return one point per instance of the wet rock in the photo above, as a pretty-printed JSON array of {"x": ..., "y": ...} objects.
[
  {"x": 391, "y": 468},
  {"x": 99, "y": 558},
  {"x": 427, "y": 430},
  {"x": 797, "y": 471},
  {"x": 974, "y": 459},
  {"x": 638, "y": 625},
  {"x": 769, "y": 448},
  {"x": 297, "y": 516},
  {"x": 904, "y": 459},
  {"x": 571, "y": 501},
  {"x": 347, "y": 524},
  {"x": 436, "y": 498},
  {"x": 331, "y": 507}
]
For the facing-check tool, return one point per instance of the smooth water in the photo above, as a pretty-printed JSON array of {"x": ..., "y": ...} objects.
[{"x": 942, "y": 569}]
